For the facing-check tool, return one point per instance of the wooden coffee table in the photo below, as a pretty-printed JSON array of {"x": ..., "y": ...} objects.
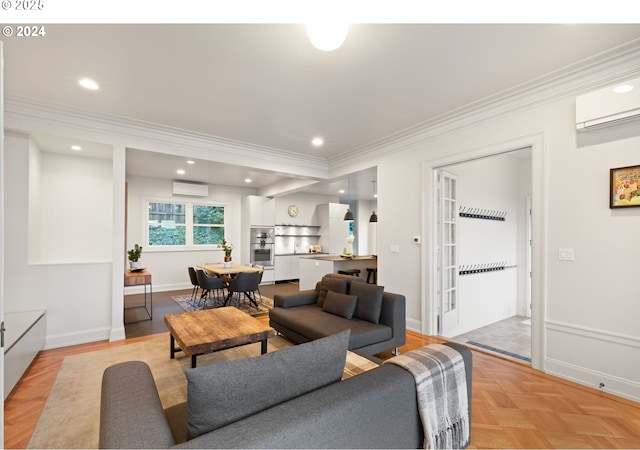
[{"x": 211, "y": 330}]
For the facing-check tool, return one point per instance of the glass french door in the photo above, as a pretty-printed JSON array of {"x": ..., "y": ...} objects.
[{"x": 448, "y": 294}]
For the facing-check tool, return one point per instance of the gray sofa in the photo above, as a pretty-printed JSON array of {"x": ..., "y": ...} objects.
[
  {"x": 375, "y": 409},
  {"x": 339, "y": 302}
]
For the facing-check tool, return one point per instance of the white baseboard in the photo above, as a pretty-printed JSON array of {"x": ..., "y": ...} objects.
[
  {"x": 624, "y": 388},
  {"x": 595, "y": 358},
  {"x": 76, "y": 338},
  {"x": 414, "y": 325},
  {"x": 158, "y": 288}
]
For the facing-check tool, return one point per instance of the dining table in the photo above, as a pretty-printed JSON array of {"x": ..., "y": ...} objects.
[
  {"x": 220, "y": 270},
  {"x": 227, "y": 273}
]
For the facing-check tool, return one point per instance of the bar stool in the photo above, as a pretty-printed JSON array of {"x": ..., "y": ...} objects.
[
  {"x": 352, "y": 272},
  {"x": 372, "y": 272}
]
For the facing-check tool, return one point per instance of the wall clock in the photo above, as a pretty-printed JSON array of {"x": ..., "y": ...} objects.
[{"x": 293, "y": 210}]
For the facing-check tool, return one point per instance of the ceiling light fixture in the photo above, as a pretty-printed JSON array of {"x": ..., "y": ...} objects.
[
  {"x": 180, "y": 171},
  {"x": 327, "y": 36},
  {"x": 88, "y": 83},
  {"x": 190, "y": 161},
  {"x": 349, "y": 215},
  {"x": 317, "y": 141},
  {"x": 374, "y": 216},
  {"x": 248, "y": 180},
  {"x": 76, "y": 148},
  {"x": 623, "y": 88}
]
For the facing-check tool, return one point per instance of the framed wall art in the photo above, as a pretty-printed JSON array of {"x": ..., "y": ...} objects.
[{"x": 624, "y": 187}]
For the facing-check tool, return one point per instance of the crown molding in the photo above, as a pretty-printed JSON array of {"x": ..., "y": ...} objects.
[
  {"x": 618, "y": 64},
  {"x": 32, "y": 117}
]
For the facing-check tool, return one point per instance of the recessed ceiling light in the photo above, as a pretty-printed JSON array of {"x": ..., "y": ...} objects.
[
  {"x": 341, "y": 191},
  {"x": 622, "y": 88},
  {"x": 190, "y": 161},
  {"x": 317, "y": 141},
  {"x": 88, "y": 83},
  {"x": 327, "y": 36},
  {"x": 76, "y": 148},
  {"x": 180, "y": 171},
  {"x": 248, "y": 180}
]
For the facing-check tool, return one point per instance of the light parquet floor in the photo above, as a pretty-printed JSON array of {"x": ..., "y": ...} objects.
[{"x": 513, "y": 405}]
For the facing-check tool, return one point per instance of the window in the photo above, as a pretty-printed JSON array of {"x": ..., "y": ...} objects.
[{"x": 184, "y": 224}]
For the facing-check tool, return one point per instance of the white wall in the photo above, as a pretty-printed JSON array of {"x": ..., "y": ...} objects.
[
  {"x": 595, "y": 297},
  {"x": 66, "y": 291},
  {"x": 306, "y": 205},
  {"x": 75, "y": 208}
]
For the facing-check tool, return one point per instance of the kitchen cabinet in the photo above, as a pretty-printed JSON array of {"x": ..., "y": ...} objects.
[
  {"x": 259, "y": 210},
  {"x": 287, "y": 267},
  {"x": 334, "y": 230}
]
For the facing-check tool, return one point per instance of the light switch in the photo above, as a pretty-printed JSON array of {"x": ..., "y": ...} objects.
[
  {"x": 395, "y": 249},
  {"x": 565, "y": 254}
]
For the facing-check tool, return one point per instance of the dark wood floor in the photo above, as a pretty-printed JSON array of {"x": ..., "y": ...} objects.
[{"x": 513, "y": 405}]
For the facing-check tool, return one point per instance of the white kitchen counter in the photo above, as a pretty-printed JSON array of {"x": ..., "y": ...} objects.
[{"x": 313, "y": 268}]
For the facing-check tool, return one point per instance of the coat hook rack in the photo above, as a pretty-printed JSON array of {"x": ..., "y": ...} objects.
[
  {"x": 478, "y": 213},
  {"x": 469, "y": 269}
]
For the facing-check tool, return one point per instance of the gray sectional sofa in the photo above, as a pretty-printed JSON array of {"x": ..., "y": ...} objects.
[
  {"x": 339, "y": 302},
  {"x": 298, "y": 402}
]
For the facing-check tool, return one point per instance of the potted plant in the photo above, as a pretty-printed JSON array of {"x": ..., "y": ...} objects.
[
  {"x": 134, "y": 257},
  {"x": 228, "y": 248}
]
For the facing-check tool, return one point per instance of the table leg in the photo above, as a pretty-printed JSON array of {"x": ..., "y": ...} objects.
[
  {"x": 193, "y": 361},
  {"x": 173, "y": 346},
  {"x": 263, "y": 346}
]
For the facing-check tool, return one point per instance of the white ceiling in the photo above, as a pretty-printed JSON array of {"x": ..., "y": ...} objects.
[{"x": 267, "y": 86}]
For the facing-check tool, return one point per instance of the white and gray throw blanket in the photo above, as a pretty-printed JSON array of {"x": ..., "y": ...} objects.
[{"x": 441, "y": 388}]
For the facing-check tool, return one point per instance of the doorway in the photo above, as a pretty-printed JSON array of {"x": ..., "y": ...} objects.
[{"x": 483, "y": 246}]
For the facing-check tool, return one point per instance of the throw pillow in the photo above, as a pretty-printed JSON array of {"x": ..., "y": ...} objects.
[
  {"x": 369, "y": 304},
  {"x": 330, "y": 284},
  {"x": 229, "y": 391},
  {"x": 340, "y": 304}
]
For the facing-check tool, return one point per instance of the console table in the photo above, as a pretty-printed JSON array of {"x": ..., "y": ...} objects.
[{"x": 141, "y": 278}]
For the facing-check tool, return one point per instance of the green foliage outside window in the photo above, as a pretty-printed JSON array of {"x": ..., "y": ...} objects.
[{"x": 169, "y": 223}]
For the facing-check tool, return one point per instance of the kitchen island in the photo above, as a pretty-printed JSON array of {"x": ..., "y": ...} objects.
[{"x": 314, "y": 267}]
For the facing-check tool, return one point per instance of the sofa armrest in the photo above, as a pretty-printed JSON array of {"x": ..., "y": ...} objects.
[
  {"x": 393, "y": 314},
  {"x": 131, "y": 414},
  {"x": 309, "y": 297}
]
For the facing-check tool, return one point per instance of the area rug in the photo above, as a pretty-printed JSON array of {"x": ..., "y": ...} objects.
[
  {"x": 71, "y": 416},
  {"x": 244, "y": 305}
]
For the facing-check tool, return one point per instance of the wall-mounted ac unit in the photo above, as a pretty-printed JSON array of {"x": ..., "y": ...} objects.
[
  {"x": 608, "y": 106},
  {"x": 190, "y": 189}
]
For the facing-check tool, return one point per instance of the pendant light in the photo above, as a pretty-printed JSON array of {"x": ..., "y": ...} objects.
[
  {"x": 349, "y": 215},
  {"x": 374, "y": 216}
]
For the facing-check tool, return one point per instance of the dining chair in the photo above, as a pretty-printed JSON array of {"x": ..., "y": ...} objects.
[
  {"x": 261, "y": 267},
  {"x": 194, "y": 282},
  {"x": 245, "y": 283},
  {"x": 208, "y": 283}
]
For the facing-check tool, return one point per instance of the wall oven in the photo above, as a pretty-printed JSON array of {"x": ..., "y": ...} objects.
[{"x": 262, "y": 247}]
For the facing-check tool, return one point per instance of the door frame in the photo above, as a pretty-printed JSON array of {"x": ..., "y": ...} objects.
[{"x": 538, "y": 249}]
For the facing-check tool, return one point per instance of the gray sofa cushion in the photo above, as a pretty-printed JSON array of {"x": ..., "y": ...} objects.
[
  {"x": 342, "y": 305},
  {"x": 327, "y": 284},
  {"x": 369, "y": 301},
  {"x": 313, "y": 323},
  {"x": 254, "y": 384}
]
